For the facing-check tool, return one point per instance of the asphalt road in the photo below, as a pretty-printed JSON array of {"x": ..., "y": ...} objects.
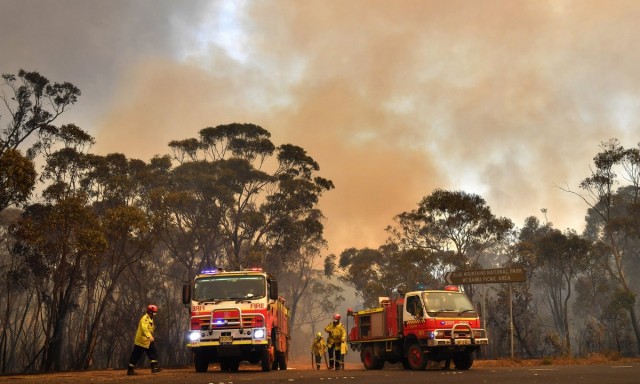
[{"x": 580, "y": 374}]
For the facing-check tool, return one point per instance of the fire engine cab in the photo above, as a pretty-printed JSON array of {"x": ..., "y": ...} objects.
[
  {"x": 418, "y": 327},
  {"x": 237, "y": 316}
]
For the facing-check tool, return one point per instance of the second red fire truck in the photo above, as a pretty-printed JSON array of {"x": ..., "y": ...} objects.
[{"x": 418, "y": 327}]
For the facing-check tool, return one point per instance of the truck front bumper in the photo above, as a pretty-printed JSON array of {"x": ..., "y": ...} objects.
[
  {"x": 226, "y": 337},
  {"x": 457, "y": 342}
]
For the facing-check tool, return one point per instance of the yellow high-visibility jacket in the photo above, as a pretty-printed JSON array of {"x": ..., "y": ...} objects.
[
  {"x": 145, "y": 331},
  {"x": 337, "y": 334},
  {"x": 318, "y": 347}
]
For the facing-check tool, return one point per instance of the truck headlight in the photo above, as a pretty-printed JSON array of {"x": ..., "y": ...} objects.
[
  {"x": 259, "y": 333},
  {"x": 194, "y": 336},
  {"x": 435, "y": 334}
]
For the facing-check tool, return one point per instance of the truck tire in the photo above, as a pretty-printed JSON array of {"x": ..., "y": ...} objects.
[
  {"x": 369, "y": 359},
  {"x": 463, "y": 360},
  {"x": 201, "y": 361},
  {"x": 234, "y": 365},
  {"x": 266, "y": 364},
  {"x": 416, "y": 358}
]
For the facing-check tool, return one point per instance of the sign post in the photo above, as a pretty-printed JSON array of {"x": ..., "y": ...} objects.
[{"x": 490, "y": 276}]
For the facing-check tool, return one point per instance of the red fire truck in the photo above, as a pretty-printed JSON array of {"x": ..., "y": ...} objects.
[
  {"x": 237, "y": 316},
  {"x": 417, "y": 327}
]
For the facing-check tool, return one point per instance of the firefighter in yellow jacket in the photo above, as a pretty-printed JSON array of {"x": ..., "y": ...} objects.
[
  {"x": 318, "y": 348},
  {"x": 335, "y": 341},
  {"x": 144, "y": 342}
]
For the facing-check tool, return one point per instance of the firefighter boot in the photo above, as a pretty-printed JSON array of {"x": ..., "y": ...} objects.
[
  {"x": 154, "y": 367},
  {"x": 131, "y": 371},
  {"x": 318, "y": 367}
]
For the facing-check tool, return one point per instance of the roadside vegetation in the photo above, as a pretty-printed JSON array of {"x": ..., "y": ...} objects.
[{"x": 593, "y": 359}]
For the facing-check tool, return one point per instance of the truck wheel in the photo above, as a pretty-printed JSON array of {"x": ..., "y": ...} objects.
[
  {"x": 368, "y": 358},
  {"x": 201, "y": 361},
  {"x": 266, "y": 364},
  {"x": 463, "y": 360},
  {"x": 416, "y": 358}
]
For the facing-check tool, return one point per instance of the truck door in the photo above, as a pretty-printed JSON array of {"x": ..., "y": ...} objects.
[{"x": 413, "y": 308}]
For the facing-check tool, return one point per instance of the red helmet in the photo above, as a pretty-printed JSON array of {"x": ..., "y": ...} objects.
[
  {"x": 336, "y": 316},
  {"x": 152, "y": 308}
]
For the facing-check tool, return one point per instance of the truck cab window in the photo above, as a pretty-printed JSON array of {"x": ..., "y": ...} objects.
[{"x": 414, "y": 306}]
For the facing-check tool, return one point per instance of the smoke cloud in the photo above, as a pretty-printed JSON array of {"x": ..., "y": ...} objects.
[{"x": 393, "y": 99}]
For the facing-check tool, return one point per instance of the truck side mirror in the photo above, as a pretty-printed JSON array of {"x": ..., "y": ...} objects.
[
  {"x": 273, "y": 290},
  {"x": 186, "y": 294}
]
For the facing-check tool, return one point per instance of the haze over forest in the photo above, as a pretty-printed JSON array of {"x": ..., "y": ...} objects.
[{"x": 502, "y": 99}]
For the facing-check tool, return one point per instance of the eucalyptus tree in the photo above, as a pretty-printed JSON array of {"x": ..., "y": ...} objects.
[
  {"x": 613, "y": 217},
  {"x": 191, "y": 221},
  {"x": 384, "y": 271},
  {"x": 56, "y": 240},
  {"x": 319, "y": 301},
  {"x": 562, "y": 258},
  {"x": 95, "y": 225},
  {"x": 16, "y": 298},
  {"x": 229, "y": 180},
  {"x": 32, "y": 103},
  {"x": 527, "y": 319},
  {"x": 358, "y": 269},
  {"x": 17, "y": 178},
  {"x": 596, "y": 291},
  {"x": 458, "y": 226},
  {"x": 119, "y": 191},
  {"x": 214, "y": 192}
]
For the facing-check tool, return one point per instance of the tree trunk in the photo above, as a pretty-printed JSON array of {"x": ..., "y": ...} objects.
[
  {"x": 54, "y": 350},
  {"x": 634, "y": 324},
  {"x": 523, "y": 341},
  {"x": 565, "y": 309}
]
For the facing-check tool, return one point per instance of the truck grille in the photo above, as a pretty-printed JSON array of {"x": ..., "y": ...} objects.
[
  {"x": 458, "y": 334},
  {"x": 226, "y": 320}
]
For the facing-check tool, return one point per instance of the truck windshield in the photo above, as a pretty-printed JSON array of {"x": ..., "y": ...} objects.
[
  {"x": 229, "y": 288},
  {"x": 457, "y": 302}
]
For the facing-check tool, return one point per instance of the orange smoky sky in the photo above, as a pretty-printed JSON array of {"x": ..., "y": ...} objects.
[{"x": 505, "y": 99}]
